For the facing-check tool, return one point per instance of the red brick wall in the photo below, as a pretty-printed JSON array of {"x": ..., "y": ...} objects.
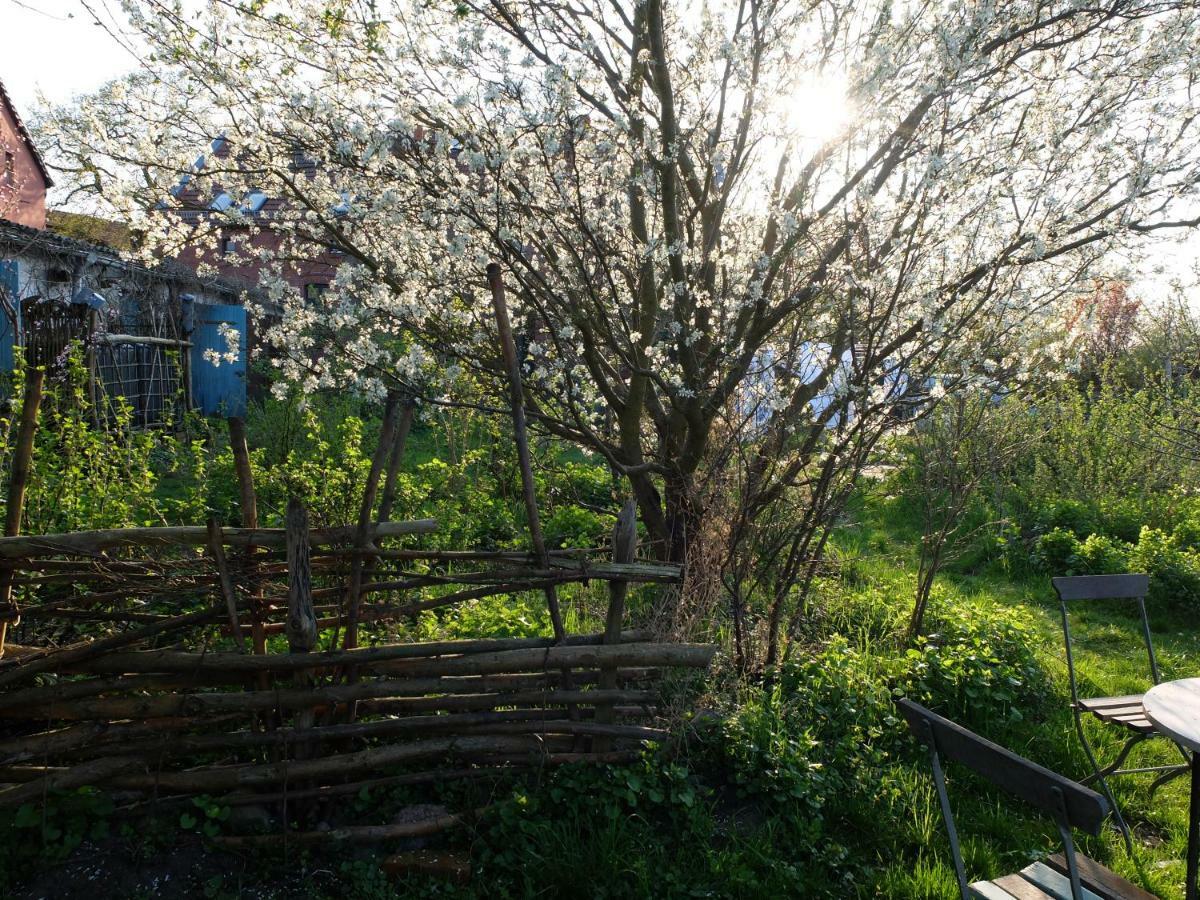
[{"x": 22, "y": 185}]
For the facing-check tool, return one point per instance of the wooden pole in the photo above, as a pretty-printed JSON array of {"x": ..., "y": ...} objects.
[
  {"x": 517, "y": 401},
  {"x": 79, "y": 652},
  {"x": 176, "y": 661},
  {"x": 362, "y": 534},
  {"x": 22, "y": 465},
  {"x": 403, "y": 427},
  {"x": 245, "y": 475},
  {"x": 249, "y": 507},
  {"x": 301, "y": 620},
  {"x": 226, "y": 581},
  {"x": 624, "y": 545},
  {"x": 94, "y": 542},
  {"x": 351, "y": 834}
]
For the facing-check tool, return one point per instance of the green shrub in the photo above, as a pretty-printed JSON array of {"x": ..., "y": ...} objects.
[
  {"x": 1066, "y": 514},
  {"x": 1174, "y": 573},
  {"x": 584, "y": 819},
  {"x": 1055, "y": 551},
  {"x": 1122, "y": 518},
  {"x": 1101, "y": 555},
  {"x": 573, "y": 526},
  {"x": 1186, "y": 533},
  {"x": 810, "y": 749},
  {"x": 978, "y": 667}
]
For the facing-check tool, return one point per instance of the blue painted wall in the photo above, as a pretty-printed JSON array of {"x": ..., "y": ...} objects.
[
  {"x": 9, "y": 285},
  {"x": 218, "y": 389}
]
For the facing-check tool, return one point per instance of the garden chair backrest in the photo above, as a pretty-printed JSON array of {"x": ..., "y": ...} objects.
[
  {"x": 1081, "y": 588},
  {"x": 1069, "y": 803}
]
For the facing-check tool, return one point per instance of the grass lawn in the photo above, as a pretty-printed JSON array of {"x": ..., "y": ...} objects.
[{"x": 999, "y": 835}]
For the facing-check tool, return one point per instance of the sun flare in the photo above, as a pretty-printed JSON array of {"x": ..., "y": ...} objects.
[{"x": 817, "y": 108}]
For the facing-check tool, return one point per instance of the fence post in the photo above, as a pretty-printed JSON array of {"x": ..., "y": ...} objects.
[
  {"x": 301, "y": 625},
  {"x": 217, "y": 550},
  {"x": 517, "y": 401},
  {"x": 249, "y": 507},
  {"x": 22, "y": 464},
  {"x": 624, "y": 545},
  {"x": 362, "y": 534}
]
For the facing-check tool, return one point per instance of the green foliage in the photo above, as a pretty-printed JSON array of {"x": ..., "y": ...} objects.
[
  {"x": 584, "y": 821},
  {"x": 1174, "y": 572},
  {"x": 979, "y": 666},
  {"x": 1055, "y": 551},
  {"x": 810, "y": 742},
  {"x": 89, "y": 470},
  {"x": 1100, "y": 554},
  {"x": 1168, "y": 558},
  {"x": 206, "y": 817},
  {"x": 573, "y": 526},
  {"x": 53, "y": 829}
]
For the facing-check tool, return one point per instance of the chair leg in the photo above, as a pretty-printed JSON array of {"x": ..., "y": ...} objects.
[
  {"x": 1103, "y": 781},
  {"x": 1168, "y": 776},
  {"x": 1114, "y": 766}
]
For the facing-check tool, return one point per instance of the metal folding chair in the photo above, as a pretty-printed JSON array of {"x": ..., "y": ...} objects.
[
  {"x": 1070, "y": 875},
  {"x": 1125, "y": 712}
]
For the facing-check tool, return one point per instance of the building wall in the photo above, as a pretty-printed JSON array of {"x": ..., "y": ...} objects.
[
  {"x": 206, "y": 245},
  {"x": 124, "y": 302},
  {"x": 206, "y": 248},
  {"x": 22, "y": 184}
]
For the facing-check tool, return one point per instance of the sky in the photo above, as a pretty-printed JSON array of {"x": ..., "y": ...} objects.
[{"x": 56, "y": 47}]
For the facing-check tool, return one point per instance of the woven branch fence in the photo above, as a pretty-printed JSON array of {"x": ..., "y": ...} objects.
[
  {"x": 180, "y": 690},
  {"x": 163, "y": 664}
]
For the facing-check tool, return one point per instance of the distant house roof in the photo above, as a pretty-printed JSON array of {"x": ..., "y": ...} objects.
[
  {"x": 94, "y": 229},
  {"x": 22, "y": 238},
  {"x": 24, "y": 132}
]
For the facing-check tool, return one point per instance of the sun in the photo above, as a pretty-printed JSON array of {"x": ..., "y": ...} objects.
[{"x": 817, "y": 108}]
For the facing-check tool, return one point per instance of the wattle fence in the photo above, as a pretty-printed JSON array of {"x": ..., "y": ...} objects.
[{"x": 139, "y": 664}]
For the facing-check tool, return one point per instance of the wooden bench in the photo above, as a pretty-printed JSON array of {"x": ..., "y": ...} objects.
[{"x": 1066, "y": 876}]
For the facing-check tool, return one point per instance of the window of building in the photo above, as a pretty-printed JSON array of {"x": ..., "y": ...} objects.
[
  {"x": 314, "y": 292},
  {"x": 10, "y": 167},
  {"x": 229, "y": 244},
  {"x": 255, "y": 201},
  {"x": 301, "y": 160}
]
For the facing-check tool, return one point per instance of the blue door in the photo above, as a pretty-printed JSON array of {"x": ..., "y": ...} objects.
[
  {"x": 8, "y": 288},
  {"x": 218, "y": 388}
]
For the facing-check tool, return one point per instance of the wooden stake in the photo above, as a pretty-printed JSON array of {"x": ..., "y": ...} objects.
[
  {"x": 407, "y": 410},
  {"x": 249, "y": 507},
  {"x": 301, "y": 621},
  {"x": 227, "y": 590},
  {"x": 363, "y": 533},
  {"x": 624, "y": 546},
  {"x": 22, "y": 465},
  {"x": 517, "y": 401}
]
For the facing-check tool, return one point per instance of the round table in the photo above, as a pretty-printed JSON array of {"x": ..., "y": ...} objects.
[{"x": 1174, "y": 708}]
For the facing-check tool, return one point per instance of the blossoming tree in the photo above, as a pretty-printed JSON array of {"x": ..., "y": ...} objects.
[{"x": 734, "y": 233}]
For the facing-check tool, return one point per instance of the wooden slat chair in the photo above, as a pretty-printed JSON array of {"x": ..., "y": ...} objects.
[
  {"x": 1125, "y": 712},
  {"x": 1066, "y": 876}
]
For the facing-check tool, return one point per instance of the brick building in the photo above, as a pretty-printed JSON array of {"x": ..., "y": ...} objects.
[
  {"x": 23, "y": 176},
  {"x": 230, "y": 248}
]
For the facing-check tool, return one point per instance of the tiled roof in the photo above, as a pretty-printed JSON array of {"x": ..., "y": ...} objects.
[
  {"x": 24, "y": 132},
  {"x": 24, "y": 238}
]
